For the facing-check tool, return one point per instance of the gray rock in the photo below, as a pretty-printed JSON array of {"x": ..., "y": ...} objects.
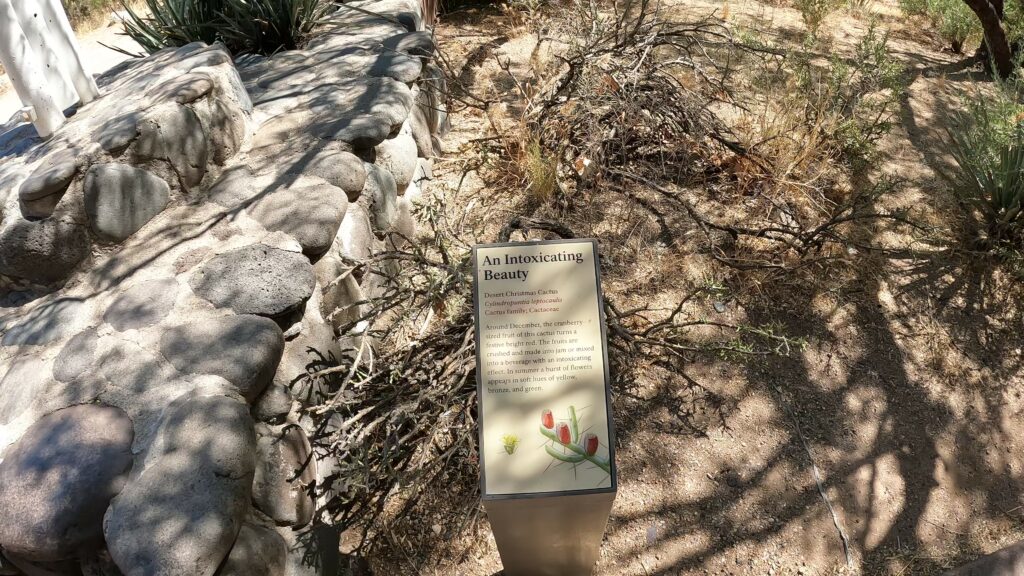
[
  {"x": 237, "y": 187},
  {"x": 43, "y": 189},
  {"x": 181, "y": 516},
  {"x": 174, "y": 133},
  {"x": 58, "y": 479},
  {"x": 26, "y": 378},
  {"x": 183, "y": 89},
  {"x": 77, "y": 356},
  {"x": 398, "y": 156},
  {"x": 419, "y": 124},
  {"x": 258, "y": 551},
  {"x": 314, "y": 348},
  {"x": 356, "y": 234},
  {"x": 120, "y": 199},
  {"x": 380, "y": 196},
  {"x": 312, "y": 551},
  {"x": 340, "y": 289},
  {"x": 362, "y": 133},
  {"x": 284, "y": 454},
  {"x": 304, "y": 207},
  {"x": 338, "y": 167},
  {"x": 273, "y": 404},
  {"x": 255, "y": 279},
  {"x": 226, "y": 125},
  {"x": 244, "y": 350},
  {"x": 142, "y": 305},
  {"x": 119, "y": 133},
  {"x": 212, "y": 56},
  {"x": 397, "y": 65},
  {"x": 414, "y": 43},
  {"x": 45, "y": 251},
  {"x": 47, "y": 322},
  {"x": 31, "y": 568}
]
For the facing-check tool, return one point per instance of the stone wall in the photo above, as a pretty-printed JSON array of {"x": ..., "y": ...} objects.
[{"x": 174, "y": 263}]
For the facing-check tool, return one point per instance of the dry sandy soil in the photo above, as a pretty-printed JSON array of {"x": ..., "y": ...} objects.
[{"x": 906, "y": 398}]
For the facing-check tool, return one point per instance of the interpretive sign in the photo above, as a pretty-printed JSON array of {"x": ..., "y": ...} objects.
[{"x": 547, "y": 449}]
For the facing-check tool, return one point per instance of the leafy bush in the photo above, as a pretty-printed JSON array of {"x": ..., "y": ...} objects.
[
  {"x": 84, "y": 10},
  {"x": 988, "y": 146},
  {"x": 856, "y": 99},
  {"x": 814, "y": 12},
  {"x": 955, "y": 22},
  {"x": 244, "y": 26}
]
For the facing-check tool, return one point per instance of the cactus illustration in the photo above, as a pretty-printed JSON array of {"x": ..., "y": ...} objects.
[
  {"x": 547, "y": 419},
  {"x": 510, "y": 442},
  {"x": 567, "y": 436}
]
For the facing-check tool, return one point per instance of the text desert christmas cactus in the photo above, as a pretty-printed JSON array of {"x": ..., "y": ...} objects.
[{"x": 566, "y": 435}]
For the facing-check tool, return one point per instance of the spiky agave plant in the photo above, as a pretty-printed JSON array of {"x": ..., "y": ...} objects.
[
  {"x": 244, "y": 26},
  {"x": 991, "y": 179},
  {"x": 174, "y": 23},
  {"x": 266, "y": 26}
]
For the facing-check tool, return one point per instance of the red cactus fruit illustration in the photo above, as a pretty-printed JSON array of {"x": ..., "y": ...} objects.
[
  {"x": 547, "y": 419},
  {"x": 562, "y": 432},
  {"x": 590, "y": 443}
]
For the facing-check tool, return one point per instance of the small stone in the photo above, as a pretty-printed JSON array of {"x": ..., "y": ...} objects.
[
  {"x": 306, "y": 208},
  {"x": 121, "y": 199},
  {"x": 244, "y": 350},
  {"x": 119, "y": 133},
  {"x": 342, "y": 169},
  {"x": 43, "y": 189},
  {"x": 58, "y": 479},
  {"x": 255, "y": 279},
  {"x": 436, "y": 528},
  {"x": 380, "y": 195},
  {"x": 398, "y": 156},
  {"x": 45, "y": 251},
  {"x": 258, "y": 551},
  {"x": 274, "y": 404},
  {"x": 312, "y": 350},
  {"x": 76, "y": 356},
  {"x": 356, "y": 234},
  {"x": 284, "y": 454},
  {"x": 182, "y": 514},
  {"x": 184, "y": 89},
  {"x": 48, "y": 322},
  {"x": 414, "y": 43},
  {"x": 174, "y": 133},
  {"x": 142, "y": 305},
  {"x": 397, "y": 65}
]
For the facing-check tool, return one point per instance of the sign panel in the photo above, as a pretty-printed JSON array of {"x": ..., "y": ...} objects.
[{"x": 542, "y": 370}]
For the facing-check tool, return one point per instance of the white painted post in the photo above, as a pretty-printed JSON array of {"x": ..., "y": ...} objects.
[
  {"x": 65, "y": 46},
  {"x": 26, "y": 72},
  {"x": 38, "y": 35}
]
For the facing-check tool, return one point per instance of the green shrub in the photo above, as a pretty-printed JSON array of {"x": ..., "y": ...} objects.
[
  {"x": 857, "y": 99},
  {"x": 814, "y": 12},
  {"x": 955, "y": 22},
  {"x": 988, "y": 146},
  {"x": 914, "y": 7},
  {"x": 244, "y": 26}
]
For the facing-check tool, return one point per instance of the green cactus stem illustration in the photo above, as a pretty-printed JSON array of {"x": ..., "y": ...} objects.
[
  {"x": 510, "y": 442},
  {"x": 580, "y": 452}
]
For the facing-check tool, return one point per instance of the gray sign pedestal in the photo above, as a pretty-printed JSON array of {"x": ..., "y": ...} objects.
[{"x": 550, "y": 536}]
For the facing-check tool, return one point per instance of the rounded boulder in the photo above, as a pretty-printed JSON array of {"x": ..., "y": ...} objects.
[{"x": 58, "y": 480}]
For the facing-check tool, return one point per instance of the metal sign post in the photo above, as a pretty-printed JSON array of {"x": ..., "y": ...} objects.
[{"x": 547, "y": 438}]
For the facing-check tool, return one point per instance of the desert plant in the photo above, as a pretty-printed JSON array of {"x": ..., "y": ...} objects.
[
  {"x": 265, "y": 26},
  {"x": 988, "y": 146},
  {"x": 244, "y": 26},
  {"x": 855, "y": 100},
  {"x": 955, "y": 22},
  {"x": 814, "y": 12}
]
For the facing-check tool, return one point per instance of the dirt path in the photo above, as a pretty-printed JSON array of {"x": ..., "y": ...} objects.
[{"x": 98, "y": 59}]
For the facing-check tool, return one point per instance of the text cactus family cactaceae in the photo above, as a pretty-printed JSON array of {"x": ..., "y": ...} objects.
[{"x": 566, "y": 435}]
